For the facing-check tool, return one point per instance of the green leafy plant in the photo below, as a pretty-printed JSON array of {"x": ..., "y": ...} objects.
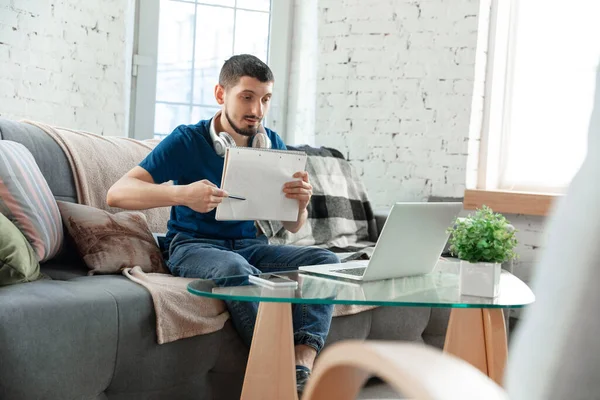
[{"x": 483, "y": 237}]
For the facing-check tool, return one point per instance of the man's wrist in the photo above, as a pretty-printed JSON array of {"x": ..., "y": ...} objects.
[{"x": 178, "y": 194}]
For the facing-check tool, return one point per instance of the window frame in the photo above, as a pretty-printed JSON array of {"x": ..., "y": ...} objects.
[
  {"x": 144, "y": 65},
  {"x": 499, "y": 71}
]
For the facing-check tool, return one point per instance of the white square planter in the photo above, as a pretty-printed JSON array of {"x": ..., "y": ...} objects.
[{"x": 479, "y": 279}]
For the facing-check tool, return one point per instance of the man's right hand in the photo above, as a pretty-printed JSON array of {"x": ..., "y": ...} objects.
[
  {"x": 137, "y": 191},
  {"x": 202, "y": 196}
]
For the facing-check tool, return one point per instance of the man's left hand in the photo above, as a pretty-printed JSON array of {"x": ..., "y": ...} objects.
[{"x": 300, "y": 190}]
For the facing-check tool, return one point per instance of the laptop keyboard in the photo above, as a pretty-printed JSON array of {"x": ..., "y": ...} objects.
[{"x": 351, "y": 271}]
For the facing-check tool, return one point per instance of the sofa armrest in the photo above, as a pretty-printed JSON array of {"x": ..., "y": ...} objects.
[{"x": 414, "y": 370}]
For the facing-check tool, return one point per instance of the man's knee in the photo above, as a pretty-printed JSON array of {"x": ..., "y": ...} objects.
[
  {"x": 233, "y": 266},
  {"x": 322, "y": 256},
  {"x": 208, "y": 263}
]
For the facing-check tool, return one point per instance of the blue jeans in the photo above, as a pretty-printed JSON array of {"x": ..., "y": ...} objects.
[{"x": 210, "y": 259}]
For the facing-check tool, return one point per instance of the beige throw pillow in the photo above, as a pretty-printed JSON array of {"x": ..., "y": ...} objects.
[{"x": 110, "y": 242}]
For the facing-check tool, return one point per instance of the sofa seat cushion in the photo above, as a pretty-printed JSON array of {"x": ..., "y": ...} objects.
[
  {"x": 144, "y": 369},
  {"x": 101, "y": 334},
  {"x": 58, "y": 340}
]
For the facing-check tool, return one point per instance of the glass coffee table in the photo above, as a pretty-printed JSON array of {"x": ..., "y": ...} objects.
[{"x": 476, "y": 329}]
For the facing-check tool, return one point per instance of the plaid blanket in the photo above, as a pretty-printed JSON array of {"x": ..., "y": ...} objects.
[{"x": 340, "y": 217}]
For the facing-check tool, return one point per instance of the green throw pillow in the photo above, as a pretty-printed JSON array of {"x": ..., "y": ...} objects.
[{"x": 18, "y": 262}]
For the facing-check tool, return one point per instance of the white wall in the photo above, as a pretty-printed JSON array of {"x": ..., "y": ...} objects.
[
  {"x": 64, "y": 62},
  {"x": 398, "y": 92}
]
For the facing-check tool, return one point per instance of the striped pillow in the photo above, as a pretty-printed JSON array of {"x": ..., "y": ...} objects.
[{"x": 27, "y": 201}]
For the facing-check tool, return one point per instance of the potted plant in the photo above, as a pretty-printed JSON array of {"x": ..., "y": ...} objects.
[{"x": 482, "y": 242}]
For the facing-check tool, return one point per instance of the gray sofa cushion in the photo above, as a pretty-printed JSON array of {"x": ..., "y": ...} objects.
[
  {"x": 58, "y": 340},
  {"x": 143, "y": 369},
  {"x": 400, "y": 323},
  {"x": 96, "y": 334}
]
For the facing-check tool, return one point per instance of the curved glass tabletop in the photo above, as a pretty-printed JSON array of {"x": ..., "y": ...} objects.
[{"x": 438, "y": 289}]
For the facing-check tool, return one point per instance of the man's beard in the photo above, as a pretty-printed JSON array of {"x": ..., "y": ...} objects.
[{"x": 248, "y": 132}]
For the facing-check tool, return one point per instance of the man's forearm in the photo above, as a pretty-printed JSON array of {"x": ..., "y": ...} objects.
[
  {"x": 294, "y": 226},
  {"x": 134, "y": 194}
]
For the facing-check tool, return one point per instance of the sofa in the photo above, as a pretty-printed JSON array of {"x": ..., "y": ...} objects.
[{"x": 76, "y": 336}]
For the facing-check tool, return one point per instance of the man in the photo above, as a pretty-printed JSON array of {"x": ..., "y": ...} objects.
[{"x": 200, "y": 246}]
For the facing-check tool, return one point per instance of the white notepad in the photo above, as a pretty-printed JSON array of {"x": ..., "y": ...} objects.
[{"x": 259, "y": 175}]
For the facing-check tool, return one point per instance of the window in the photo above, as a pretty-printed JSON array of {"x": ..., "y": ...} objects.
[
  {"x": 540, "y": 86},
  {"x": 190, "y": 41}
]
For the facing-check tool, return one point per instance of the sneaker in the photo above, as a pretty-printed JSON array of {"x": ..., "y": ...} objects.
[{"x": 302, "y": 375}]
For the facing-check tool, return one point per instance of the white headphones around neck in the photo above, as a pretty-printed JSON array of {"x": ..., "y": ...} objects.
[{"x": 224, "y": 140}]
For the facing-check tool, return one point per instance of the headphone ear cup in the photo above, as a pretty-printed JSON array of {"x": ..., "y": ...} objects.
[
  {"x": 227, "y": 139},
  {"x": 219, "y": 146},
  {"x": 261, "y": 141},
  {"x": 222, "y": 142}
]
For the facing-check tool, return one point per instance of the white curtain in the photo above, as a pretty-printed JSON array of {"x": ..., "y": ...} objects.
[{"x": 302, "y": 89}]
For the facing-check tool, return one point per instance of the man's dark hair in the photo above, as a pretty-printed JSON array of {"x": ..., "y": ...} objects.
[{"x": 244, "y": 65}]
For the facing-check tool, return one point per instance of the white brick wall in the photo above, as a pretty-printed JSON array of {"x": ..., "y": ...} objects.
[
  {"x": 63, "y": 62},
  {"x": 400, "y": 94},
  {"x": 405, "y": 70}
]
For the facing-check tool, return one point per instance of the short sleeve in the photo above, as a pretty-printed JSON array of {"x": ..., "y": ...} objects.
[
  {"x": 278, "y": 142},
  {"x": 164, "y": 163}
]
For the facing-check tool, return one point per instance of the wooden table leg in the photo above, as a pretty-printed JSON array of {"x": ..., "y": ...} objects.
[
  {"x": 271, "y": 370},
  {"x": 496, "y": 342},
  {"x": 478, "y": 336}
]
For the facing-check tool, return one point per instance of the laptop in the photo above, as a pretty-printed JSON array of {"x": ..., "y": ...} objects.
[{"x": 411, "y": 242}]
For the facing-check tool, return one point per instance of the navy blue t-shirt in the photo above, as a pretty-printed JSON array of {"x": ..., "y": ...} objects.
[{"x": 185, "y": 156}]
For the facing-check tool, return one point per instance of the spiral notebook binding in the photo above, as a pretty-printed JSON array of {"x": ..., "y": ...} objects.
[{"x": 294, "y": 152}]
